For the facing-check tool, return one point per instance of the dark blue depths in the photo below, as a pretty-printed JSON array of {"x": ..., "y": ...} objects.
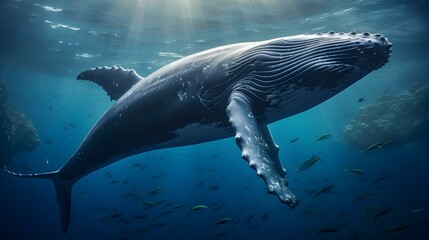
[{"x": 46, "y": 44}]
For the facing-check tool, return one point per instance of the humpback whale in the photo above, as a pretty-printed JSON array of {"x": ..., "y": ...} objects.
[{"x": 231, "y": 91}]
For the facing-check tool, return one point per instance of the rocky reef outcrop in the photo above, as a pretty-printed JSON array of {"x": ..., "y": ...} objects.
[
  {"x": 17, "y": 133},
  {"x": 403, "y": 117}
]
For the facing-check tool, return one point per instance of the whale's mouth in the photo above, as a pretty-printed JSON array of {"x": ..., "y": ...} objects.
[
  {"x": 385, "y": 56},
  {"x": 378, "y": 52},
  {"x": 371, "y": 51}
]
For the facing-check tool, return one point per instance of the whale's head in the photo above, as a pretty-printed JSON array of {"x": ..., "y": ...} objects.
[
  {"x": 341, "y": 53},
  {"x": 332, "y": 60},
  {"x": 307, "y": 69}
]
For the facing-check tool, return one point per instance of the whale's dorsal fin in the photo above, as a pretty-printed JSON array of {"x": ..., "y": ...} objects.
[{"x": 114, "y": 80}]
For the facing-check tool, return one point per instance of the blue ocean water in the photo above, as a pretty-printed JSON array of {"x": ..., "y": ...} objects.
[{"x": 46, "y": 44}]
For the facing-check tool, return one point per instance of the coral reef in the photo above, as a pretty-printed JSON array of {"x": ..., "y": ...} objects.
[
  {"x": 402, "y": 117},
  {"x": 17, "y": 132}
]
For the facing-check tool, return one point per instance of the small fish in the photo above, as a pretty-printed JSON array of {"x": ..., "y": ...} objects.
[
  {"x": 47, "y": 161},
  {"x": 134, "y": 194},
  {"x": 161, "y": 201},
  {"x": 215, "y": 209},
  {"x": 72, "y": 125},
  {"x": 325, "y": 190},
  {"x": 48, "y": 141},
  {"x": 249, "y": 218},
  {"x": 180, "y": 205},
  {"x": 293, "y": 140},
  {"x": 372, "y": 147},
  {"x": 113, "y": 182},
  {"x": 169, "y": 204},
  {"x": 222, "y": 221},
  {"x": 116, "y": 215},
  {"x": 308, "y": 212},
  {"x": 141, "y": 216},
  {"x": 383, "y": 177},
  {"x": 264, "y": 216},
  {"x": 102, "y": 209},
  {"x": 161, "y": 224},
  {"x": 396, "y": 228},
  {"x": 199, "y": 184},
  {"x": 50, "y": 108},
  {"x": 387, "y": 143},
  {"x": 381, "y": 213},
  {"x": 326, "y": 230},
  {"x": 197, "y": 207},
  {"x": 155, "y": 191},
  {"x": 136, "y": 165},
  {"x": 221, "y": 234},
  {"x": 418, "y": 210},
  {"x": 143, "y": 229},
  {"x": 355, "y": 170},
  {"x": 361, "y": 99},
  {"x": 125, "y": 182},
  {"x": 343, "y": 214},
  {"x": 148, "y": 204},
  {"x": 168, "y": 212},
  {"x": 310, "y": 162},
  {"x": 324, "y": 137},
  {"x": 364, "y": 196},
  {"x": 214, "y": 188},
  {"x": 371, "y": 208}
]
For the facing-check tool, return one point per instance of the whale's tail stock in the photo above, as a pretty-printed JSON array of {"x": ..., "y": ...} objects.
[{"x": 63, "y": 190}]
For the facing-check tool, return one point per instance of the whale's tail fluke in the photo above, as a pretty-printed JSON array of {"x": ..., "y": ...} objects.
[{"x": 63, "y": 189}]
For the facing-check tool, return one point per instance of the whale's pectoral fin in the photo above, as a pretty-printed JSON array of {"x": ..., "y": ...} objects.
[
  {"x": 258, "y": 148},
  {"x": 273, "y": 149},
  {"x": 114, "y": 80}
]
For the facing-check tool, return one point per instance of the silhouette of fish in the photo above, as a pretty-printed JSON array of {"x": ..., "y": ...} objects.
[
  {"x": 324, "y": 137},
  {"x": 381, "y": 213},
  {"x": 325, "y": 189},
  {"x": 325, "y": 230},
  {"x": 364, "y": 196},
  {"x": 222, "y": 221},
  {"x": 383, "y": 177},
  {"x": 396, "y": 228},
  {"x": 214, "y": 188},
  {"x": 310, "y": 162}
]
